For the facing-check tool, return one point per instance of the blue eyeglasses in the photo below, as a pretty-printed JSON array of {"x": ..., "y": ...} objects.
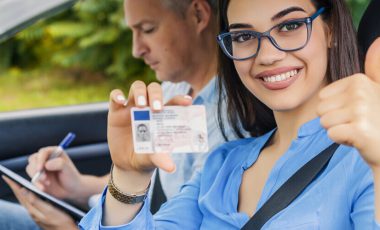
[{"x": 288, "y": 36}]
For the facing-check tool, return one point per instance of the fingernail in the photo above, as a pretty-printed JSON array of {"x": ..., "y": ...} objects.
[
  {"x": 141, "y": 100},
  {"x": 188, "y": 97},
  {"x": 120, "y": 98},
  {"x": 156, "y": 105}
]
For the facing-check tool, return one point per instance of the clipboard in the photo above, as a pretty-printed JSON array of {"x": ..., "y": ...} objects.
[{"x": 74, "y": 212}]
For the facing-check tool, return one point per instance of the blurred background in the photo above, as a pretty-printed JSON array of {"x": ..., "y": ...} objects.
[{"x": 76, "y": 57}]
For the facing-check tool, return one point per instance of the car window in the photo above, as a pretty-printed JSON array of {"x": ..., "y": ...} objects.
[{"x": 56, "y": 53}]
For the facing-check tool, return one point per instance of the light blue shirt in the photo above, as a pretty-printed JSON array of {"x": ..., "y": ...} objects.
[
  {"x": 342, "y": 197},
  {"x": 188, "y": 163}
]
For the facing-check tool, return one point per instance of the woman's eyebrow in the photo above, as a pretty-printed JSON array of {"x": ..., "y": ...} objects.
[
  {"x": 286, "y": 11},
  {"x": 274, "y": 18}
]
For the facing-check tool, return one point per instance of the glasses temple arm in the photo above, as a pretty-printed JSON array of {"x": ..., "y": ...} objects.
[{"x": 320, "y": 11}]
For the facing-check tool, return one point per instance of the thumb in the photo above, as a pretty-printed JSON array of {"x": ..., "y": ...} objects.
[{"x": 372, "y": 61}]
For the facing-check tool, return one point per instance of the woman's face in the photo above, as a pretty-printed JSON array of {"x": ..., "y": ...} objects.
[{"x": 282, "y": 80}]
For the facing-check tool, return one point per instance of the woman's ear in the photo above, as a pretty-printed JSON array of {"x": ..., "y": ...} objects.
[
  {"x": 372, "y": 61},
  {"x": 329, "y": 32}
]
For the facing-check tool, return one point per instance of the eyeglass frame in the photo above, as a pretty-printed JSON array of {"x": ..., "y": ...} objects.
[{"x": 308, "y": 21}]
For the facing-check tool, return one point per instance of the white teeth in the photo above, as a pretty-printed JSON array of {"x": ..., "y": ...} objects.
[{"x": 281, "y": 77}]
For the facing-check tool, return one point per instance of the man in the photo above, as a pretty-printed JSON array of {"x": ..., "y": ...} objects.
[
  {"x": 176, "y": 38},
  {"x": 142, "y": 133}
]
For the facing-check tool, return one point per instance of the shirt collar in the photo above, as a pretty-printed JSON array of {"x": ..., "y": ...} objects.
[
  {"x": 310, "y": 127},
  {"x": 207, "y": 94}
]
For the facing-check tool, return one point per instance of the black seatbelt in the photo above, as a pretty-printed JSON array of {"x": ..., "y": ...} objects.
[
  {"x": 158, "y": 195},
  {"x": 291, "y": 189}
]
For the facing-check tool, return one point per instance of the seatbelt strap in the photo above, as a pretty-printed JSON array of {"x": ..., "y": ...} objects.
[{"x": 291, "y": 188}]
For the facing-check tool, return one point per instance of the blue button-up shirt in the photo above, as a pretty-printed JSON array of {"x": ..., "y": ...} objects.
[
  {"x": 188, "y": 163},
  {"x": 342, "y": 197}
]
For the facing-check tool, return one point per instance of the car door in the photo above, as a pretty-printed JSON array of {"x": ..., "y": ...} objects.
[{"x": 23, "y": 132}]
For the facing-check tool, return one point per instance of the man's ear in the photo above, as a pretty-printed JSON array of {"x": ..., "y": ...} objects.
[
  {"x": 372, "y": 61},
  {"x": 202, "y": 13}
]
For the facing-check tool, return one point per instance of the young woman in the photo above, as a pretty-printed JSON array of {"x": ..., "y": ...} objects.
[{"x": 290, "y": 77}]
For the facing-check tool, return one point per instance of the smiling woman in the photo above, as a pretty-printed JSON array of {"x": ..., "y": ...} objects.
[{"x": 296, "y": 99}]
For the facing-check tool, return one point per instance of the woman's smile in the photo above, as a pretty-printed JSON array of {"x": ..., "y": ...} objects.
[{"x": 280, "y": 78}]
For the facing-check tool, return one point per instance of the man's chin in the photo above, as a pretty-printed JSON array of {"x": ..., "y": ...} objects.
[{"x": 162, "y": 77}]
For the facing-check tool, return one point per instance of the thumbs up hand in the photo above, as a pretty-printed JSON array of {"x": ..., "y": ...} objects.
[
  {"x": 350, "y": 109},
  {"x": 372, "y": 61}
]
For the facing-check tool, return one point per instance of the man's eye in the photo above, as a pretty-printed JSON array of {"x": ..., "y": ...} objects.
[
  {"x": 149, "y": 30},
  {"x": 242, "y": 37},
  {"x": 290, "y": 26}
]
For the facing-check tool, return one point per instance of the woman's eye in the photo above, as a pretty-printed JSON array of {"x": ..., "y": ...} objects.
[
  {"x": 242, "y": 37},
  {"x": 290, "y": 26}
]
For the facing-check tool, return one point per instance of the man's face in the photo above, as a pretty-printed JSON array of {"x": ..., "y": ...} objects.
[{"x": 161, "y": 37}]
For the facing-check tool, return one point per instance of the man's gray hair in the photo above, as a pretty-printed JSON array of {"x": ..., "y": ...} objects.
[{"x": 180, "y": 6}]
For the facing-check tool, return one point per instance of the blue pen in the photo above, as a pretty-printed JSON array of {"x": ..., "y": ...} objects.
[{"x": 58, "y": 151}]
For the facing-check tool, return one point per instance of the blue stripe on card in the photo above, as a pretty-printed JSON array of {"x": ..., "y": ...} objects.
[{"x": 141, "y": 115}]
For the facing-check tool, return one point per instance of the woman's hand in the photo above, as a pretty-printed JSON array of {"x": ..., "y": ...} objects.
[
  {"x": 350, "y": 109},
  {"x": 132, "y": 172},
  {"x": 120, "y": 131}
]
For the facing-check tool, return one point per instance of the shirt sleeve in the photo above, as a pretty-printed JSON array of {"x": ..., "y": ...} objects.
[
  {"x": 181, "y": 212},
  {"x": 363, "y": 210}
]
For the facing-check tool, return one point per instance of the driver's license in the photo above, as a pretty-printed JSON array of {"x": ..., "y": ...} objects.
[{"x": 176, "y": 129}]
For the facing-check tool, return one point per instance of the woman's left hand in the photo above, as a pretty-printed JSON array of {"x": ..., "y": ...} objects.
[
  {"x": 44, "y": 214},
  {"x": 350, "y": 109}
]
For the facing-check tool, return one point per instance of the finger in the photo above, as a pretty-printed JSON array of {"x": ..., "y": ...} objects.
[
  {"x": 31, "y": 167},
  {"x": 155, "y": 96},
  {"x": 331, "y": 103},
  {"x": 372, "y": 61},
  {"x": 19, "y": 193},
  {"x": 138, "y": 93},
  {"x": 43, "y": 156},
  {"x": 117, "y": 100},
  {"x": 342, "y": 134},
  {"x": 336, "y": 117},
  {"x": 335, "y": 88},
  {"x": 183, "y": 100},
  {"x": 40, "y": 205},
  {"x": 56, "y": 164},
  {"x": 164, "y": 162},
  {"x": 34, "y": 212}
]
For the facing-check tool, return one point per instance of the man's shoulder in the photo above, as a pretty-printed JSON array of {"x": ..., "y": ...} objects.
[{"x": 171, "y": 89}]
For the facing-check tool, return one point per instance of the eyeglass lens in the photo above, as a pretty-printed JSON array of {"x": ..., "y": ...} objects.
[{"x": 286, "y": 37}]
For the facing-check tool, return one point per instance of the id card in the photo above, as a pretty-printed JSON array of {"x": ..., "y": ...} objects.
[{"x": 176, "y": 129}]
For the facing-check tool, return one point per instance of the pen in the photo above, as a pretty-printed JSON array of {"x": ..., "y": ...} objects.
[{"x": 64, "y": 144}]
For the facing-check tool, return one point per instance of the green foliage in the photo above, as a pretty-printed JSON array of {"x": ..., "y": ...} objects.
[
  {"x": 91, "y": 37},
  {"x": 357, "y": 9}
]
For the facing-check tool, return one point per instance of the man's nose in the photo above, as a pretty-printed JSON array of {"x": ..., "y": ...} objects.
[{"x": 139, "y": 48}]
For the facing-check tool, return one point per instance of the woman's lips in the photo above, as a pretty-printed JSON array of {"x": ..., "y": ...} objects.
[{"x": 281, "y": 80}]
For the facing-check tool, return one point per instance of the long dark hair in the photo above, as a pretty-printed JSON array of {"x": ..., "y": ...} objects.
[{"x": 244, "y": 110}]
